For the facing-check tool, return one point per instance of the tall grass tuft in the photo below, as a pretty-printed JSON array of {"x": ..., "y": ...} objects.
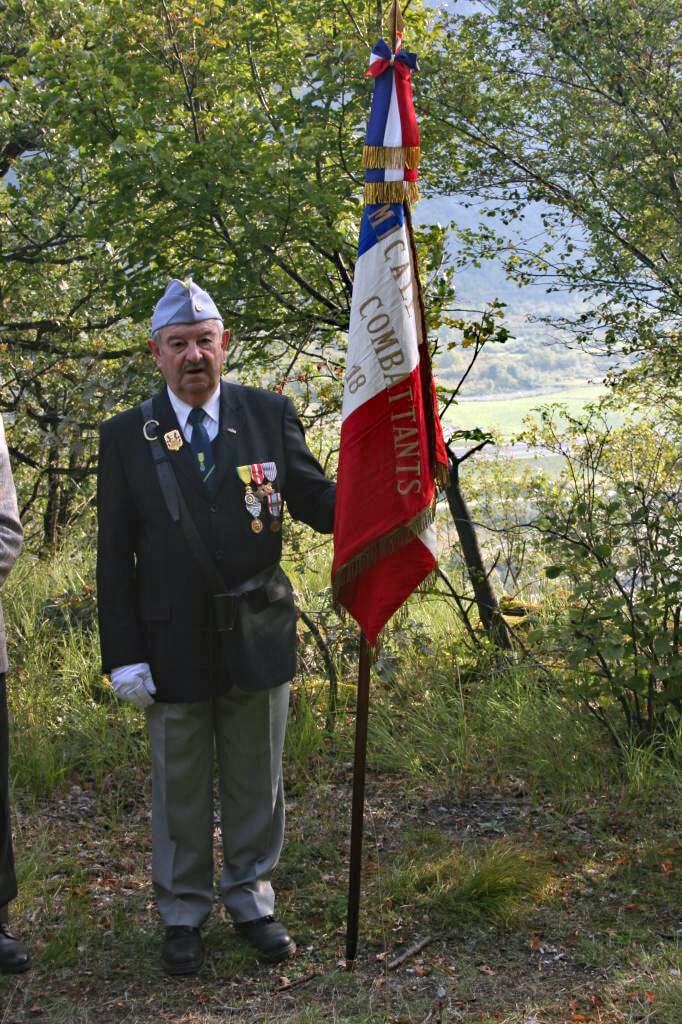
[
  {"x": 66, "y": 724},
  {"x": 457, "y": 887}
]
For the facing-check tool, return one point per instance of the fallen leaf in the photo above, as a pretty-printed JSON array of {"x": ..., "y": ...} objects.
[
  {"x": 666, "y": 867},
  {"x": 649, "y": 997},
  {"x": 382, "y": 956},
  {"x": 484, "y": 969},
  {"x": 283, "y": 981},
  {"x": 422, "y": 970}
]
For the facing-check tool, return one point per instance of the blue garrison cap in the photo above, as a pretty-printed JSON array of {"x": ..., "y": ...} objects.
[{"x": 183, "y": 302}]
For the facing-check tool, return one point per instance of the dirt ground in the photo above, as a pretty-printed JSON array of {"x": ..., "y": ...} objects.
[{"x": 597, "y": 941}]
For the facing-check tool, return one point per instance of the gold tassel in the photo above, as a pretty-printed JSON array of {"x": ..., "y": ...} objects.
[
  {"x": 442, "y": 476},
  {"x": 379, "y": 192},
  {"x": 381, "y": 548},
  {"x": 391, "y": 156}
]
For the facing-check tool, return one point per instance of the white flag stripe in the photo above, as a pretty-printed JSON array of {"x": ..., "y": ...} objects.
[
  {"x": 429, "y": 539},
  {"x": 382, "y": 339},
  {"x": 393, "y": 133}
]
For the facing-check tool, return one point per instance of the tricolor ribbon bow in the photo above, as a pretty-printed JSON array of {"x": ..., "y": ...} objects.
[{"x": 403, "y": 62}]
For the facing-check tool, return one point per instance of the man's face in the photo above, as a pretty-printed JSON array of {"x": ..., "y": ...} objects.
[{"x": 190, "y": 357}]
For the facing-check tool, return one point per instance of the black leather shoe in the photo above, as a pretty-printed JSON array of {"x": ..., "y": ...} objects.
[
  {"x": 183, "y": 950},
  {"x": 14, "y": 958},
  {"x": 269, "y": 938}
]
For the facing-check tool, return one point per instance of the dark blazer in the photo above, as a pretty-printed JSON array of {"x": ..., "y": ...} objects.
[{"x": 154, "y": 605}]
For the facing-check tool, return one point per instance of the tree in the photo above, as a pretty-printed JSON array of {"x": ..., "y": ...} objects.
[
  {"x": 573, "y": 108},
  {"x": 610, "y": 528},
  {"x": 163, "y": 140}
]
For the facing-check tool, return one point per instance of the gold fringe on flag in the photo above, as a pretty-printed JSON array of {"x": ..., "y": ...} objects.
[
  {"x": 377, "y": 192},
  {"x": 382, "y": 547},
  {"x": 398, "y": 618},
  {"x": 394, "y": 157}
]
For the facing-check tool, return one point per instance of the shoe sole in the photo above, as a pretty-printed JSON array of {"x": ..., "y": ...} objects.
[
  {"x": 181, "y": 970},
  {"x": 277, "y": 955}
]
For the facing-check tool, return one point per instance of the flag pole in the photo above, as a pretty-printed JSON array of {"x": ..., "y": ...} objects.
[
  {"x": 355, "y": 872},
  {"x": 395, "y": 24}
]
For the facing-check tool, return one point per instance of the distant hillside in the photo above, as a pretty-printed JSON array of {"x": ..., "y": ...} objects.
[
  {"x": 521, "y": 365},
  {"x": 538, "y": 358}
]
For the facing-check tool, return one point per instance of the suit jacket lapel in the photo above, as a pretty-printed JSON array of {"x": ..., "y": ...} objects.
[
  {"x": 228, "y": 431},
  {"x": 181, "y": 459}
]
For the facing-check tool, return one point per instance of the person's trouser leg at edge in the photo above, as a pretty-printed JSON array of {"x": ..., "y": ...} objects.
[{"x": 14, "y": 957}]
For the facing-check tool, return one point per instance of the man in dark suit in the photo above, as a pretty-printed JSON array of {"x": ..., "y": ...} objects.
[{"x": 210, "y": 672}]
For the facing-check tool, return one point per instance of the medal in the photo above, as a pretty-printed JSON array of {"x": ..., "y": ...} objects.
[
  {"x": 244, "y": 474},
  {"x": 173, "y": 440},
  {"x": 257, "y": 474},
  {"x": 275, "y": 510},
  {"x": 253, "y": 507},
  {"x": 270, "y": 471}
]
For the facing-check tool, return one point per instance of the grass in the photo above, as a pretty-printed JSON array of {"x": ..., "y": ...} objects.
[
  {"x": 507, "y": 415},
  {"x": 547, "y": 876}
]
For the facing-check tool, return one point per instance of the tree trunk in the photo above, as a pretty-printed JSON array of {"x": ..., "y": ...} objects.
[{"x": 486, "y": 602}]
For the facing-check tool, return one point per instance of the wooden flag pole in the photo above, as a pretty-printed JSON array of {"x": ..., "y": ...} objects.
[
  {"x": 355, "y": 872},
  {"x": 395, "y": 23}
]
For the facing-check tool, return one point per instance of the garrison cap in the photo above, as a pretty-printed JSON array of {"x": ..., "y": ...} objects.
[{"x": 183, "y": 302}]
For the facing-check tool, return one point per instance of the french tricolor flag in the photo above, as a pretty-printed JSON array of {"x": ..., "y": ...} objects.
[{"x": 392, "y": 454}]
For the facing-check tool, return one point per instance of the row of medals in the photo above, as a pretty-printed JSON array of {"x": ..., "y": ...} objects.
[{"x": 254, "y": 503}]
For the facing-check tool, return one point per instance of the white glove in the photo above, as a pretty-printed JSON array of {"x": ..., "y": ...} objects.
[{"x": 134, "y": 683}]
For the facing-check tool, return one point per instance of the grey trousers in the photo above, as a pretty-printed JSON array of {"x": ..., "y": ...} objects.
[{"x": 247, "y": 731}]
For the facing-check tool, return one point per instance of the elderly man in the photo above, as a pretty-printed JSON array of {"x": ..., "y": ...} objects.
[
  {"x": 197, "y": 620},
  {"x": 13, "y": 955}
]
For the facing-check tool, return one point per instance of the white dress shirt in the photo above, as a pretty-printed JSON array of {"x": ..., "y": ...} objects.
[{"x": 182, "y": 410}]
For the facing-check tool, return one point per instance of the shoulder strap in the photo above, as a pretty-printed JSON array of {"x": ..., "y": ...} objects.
[{"x": 175, "y": 502}]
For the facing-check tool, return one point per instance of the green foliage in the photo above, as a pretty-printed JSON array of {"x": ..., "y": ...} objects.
[
  {"x": 573, "y": 110},
  {"x": 66, "y": 724},
  {"x": 149, "y": 141},
  {"x": 611, "y": 532}
]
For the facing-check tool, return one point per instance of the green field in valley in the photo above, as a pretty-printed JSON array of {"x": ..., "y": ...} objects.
[{"x": 507, "y": 415}]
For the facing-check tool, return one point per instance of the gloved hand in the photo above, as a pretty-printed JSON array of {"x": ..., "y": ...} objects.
[{"x": 134, "y": 683}]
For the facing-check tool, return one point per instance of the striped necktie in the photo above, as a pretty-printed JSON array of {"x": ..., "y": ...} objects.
[{"x": 201, "y": 447}]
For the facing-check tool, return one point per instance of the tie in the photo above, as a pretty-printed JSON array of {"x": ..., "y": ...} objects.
[{"x": 201, "y": 446}]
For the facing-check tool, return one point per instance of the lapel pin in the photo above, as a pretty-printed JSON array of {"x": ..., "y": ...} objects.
[{"x": 173, "y": 440}]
